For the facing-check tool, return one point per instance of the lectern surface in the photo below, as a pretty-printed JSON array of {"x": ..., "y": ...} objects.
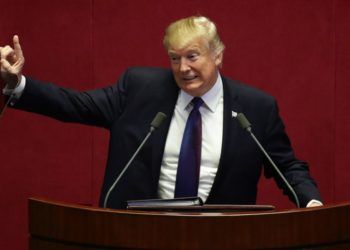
[{"x": 54, "y": 225}]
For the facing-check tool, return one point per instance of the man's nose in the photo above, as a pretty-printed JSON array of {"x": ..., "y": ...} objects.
[{"x": 184, "y": 65}]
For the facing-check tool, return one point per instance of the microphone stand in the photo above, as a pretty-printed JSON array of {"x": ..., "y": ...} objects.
[{"x": 245, "y": 124}]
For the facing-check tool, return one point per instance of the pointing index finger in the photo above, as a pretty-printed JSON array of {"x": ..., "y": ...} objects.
[{"x": 17, "y": 46}]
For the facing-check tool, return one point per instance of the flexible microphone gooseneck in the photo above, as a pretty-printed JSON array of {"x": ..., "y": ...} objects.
[
  {"x": 245, "y": 124},
  {"x": 157, "y": 121},
  {"x": 10, "y": 98}
]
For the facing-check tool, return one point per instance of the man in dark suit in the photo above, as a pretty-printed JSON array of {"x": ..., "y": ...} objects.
[{"x": 219, "y": 162}]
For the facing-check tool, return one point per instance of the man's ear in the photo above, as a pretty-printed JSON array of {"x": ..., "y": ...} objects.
[{"x": 218, "y": 59}]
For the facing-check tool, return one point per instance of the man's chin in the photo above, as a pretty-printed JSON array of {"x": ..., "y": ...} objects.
[
  {"x": 193, "y": 84},
  {"x": 193, "y": 90}
]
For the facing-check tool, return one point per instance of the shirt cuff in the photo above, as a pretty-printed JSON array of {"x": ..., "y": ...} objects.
[
  {"x": 314, "y": 201},
  {"x": 16, "y": 92}
]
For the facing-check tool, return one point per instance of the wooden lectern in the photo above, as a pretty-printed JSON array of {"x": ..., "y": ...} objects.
[{"x": 59, "y": 226}]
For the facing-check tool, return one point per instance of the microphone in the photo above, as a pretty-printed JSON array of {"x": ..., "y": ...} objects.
[
  {"x": 157, "y": 121},
  {"x": 245, "y": 124}
]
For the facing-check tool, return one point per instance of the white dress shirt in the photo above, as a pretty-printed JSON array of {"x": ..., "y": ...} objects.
[{"x": 212, "y": 112}]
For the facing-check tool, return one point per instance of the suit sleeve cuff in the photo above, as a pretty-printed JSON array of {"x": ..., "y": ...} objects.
[
  {"x": 16, "y": 92},
  {"x": 314, "y": 201}
]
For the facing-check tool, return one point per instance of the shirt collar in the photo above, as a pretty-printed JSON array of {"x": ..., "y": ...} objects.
[{"x": 211, "y": 98}]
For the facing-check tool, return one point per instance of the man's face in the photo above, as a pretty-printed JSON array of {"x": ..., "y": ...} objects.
[{"x": 195, "y": 67}]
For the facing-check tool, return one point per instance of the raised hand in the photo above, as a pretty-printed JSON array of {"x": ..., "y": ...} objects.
[{"x": 11, "y": 63}]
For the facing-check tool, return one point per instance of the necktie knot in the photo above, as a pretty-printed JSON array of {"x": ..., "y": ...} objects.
[{"x": 197, "y": 103}]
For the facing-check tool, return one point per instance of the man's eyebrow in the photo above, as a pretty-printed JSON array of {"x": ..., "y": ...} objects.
[
  {"x": 172, "y": 54},
  {"x": 194, "y": 51}
]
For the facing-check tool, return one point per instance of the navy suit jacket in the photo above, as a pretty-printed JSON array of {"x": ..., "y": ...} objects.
[{"x": 127, "y": 108}]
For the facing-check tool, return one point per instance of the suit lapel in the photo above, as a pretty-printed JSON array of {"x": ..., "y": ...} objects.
[
  {"x": 170, "y": 93},
  {"x": 231, "y": 132}
]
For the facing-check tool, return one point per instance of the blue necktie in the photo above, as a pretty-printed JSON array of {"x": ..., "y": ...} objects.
[{"x": 187, "y": 177}]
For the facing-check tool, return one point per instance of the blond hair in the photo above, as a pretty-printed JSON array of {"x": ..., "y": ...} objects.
[{"x": 182, "y": 32}]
